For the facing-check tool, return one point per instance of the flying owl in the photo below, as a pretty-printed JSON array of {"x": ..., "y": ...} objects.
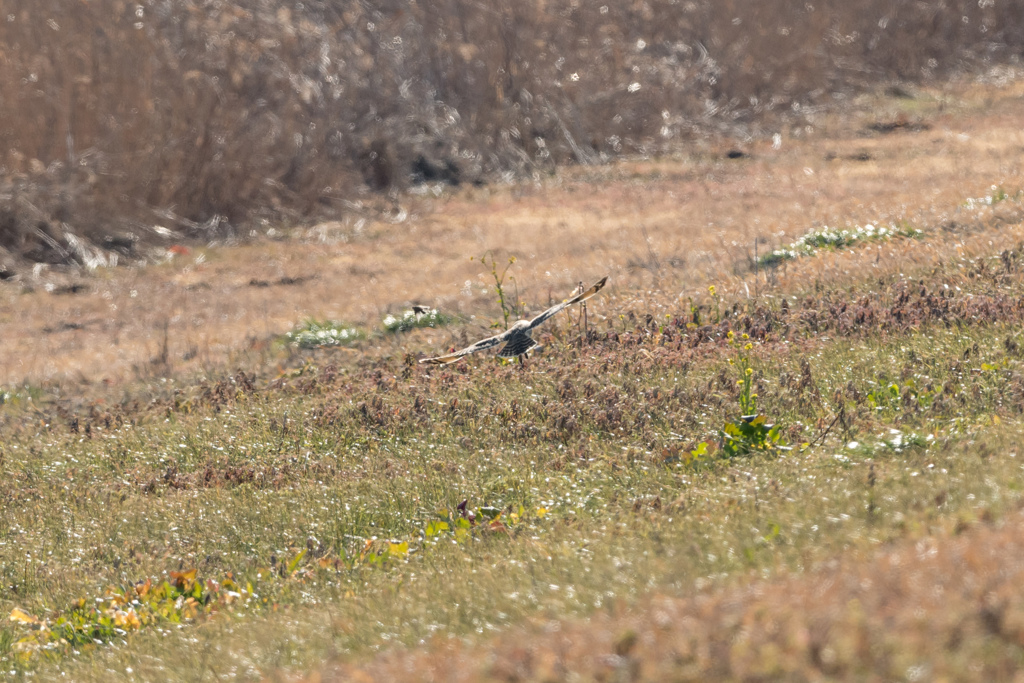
[{"x": 517, "y": 338}]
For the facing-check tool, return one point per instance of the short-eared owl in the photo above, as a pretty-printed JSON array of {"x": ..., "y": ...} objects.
[{"x": 517, "y": 338}]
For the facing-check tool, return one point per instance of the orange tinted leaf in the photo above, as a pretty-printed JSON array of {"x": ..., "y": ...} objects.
[
  {"x": 22, "y": 617},
  {"x": 127, "y": 619},
  {"x": 182, "y": 579}
]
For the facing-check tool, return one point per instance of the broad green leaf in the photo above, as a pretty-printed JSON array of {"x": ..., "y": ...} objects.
[
  {"x": 490, "y": 512},
  {"x": 295, "y": 561},
  {"x": 435, "y": 527}
]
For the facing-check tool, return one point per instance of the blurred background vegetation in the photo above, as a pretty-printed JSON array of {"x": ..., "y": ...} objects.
[{"x": 124, "y": 122}]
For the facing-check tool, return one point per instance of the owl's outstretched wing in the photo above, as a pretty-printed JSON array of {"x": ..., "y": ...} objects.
[
  {"x": 473, "y": 348},
  {"x": 518, "y": 337},
  {"x": 565, "y": 304}
]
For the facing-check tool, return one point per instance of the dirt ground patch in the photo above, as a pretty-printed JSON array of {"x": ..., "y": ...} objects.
[{"x": 666, "y": 228}]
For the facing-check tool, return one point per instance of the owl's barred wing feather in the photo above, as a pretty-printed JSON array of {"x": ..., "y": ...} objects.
[
  {"x": 481, "y": 345},
  {"x": 517, "y": 346},
  {"x": 579, "y": 298}
]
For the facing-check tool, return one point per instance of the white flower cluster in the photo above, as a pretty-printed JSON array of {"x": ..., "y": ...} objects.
[
  {"x": 895, "y": 440},
  {"x": 411, "y": 320},
  {"x": 836, "y": 239},
  {"x": 996, "y": 195},
  {"x": 320, "y": 335},
  {"x": 899, "y": 441}
]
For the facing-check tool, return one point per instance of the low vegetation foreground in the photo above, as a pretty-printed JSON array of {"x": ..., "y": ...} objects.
[{"x": 783, "y": 444}]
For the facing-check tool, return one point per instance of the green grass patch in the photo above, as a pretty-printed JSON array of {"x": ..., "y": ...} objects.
[
  {"x": 830, "y": 238},
  {"x": 20, "y": 396},
  {"x": 416, "y": 319},
  {"x": 313, "y": 334},
  {"x": 995, "y": 195}
]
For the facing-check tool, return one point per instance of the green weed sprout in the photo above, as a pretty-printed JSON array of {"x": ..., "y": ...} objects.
[
  {"x": 508, "y": 307},
  {"x": 694, "y": 319},
  {"x": 751, "y": 432}
]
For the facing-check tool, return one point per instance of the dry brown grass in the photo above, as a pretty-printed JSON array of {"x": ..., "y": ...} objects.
[
  {"x": 663, "y": 229},
  {"x": 945, "y": 607}
]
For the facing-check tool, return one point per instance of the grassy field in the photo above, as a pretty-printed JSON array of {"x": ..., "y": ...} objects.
[{"x": 188, "y": 496}]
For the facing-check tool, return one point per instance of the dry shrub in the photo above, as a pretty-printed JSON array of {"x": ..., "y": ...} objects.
[{"x": 205, "y": 115}]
